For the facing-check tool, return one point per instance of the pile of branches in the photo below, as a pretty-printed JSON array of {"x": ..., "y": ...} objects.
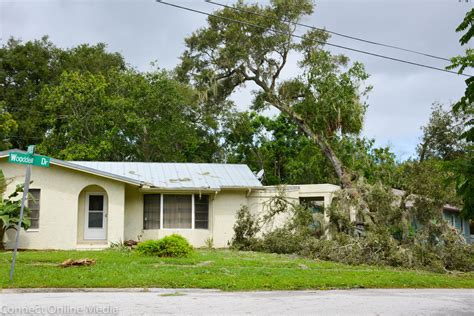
[{"x": 367, "y": 224}]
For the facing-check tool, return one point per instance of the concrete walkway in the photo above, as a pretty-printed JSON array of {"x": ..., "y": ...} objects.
[{"x": 205, "y": 302}]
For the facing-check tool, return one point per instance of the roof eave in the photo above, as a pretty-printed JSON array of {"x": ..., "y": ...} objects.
[{"x": 70, "y": 165}]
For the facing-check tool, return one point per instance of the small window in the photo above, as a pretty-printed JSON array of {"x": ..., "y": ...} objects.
[
  {"x": 151, "y": 211},
  {"x": 177, "y": 211},
  {"x": 201, "y": 209},
  {"x": 34, "y": 207},
  {"x": 314, "y": 204}
]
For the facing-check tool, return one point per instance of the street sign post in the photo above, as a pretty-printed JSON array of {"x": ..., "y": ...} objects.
[{"x": 29, "y": 158}]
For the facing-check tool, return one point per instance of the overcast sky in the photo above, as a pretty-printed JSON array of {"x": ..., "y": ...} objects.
[{"x": 145, "y": 31}]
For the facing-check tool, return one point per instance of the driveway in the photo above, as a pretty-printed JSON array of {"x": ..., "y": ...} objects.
[{"x": 205, "y": 302}]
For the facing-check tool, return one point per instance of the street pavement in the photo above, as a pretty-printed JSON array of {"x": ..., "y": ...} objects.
[{"x": 213, "y": 302}]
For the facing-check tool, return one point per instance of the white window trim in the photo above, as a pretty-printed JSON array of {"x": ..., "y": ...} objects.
[{"x": 193, "y": 214}]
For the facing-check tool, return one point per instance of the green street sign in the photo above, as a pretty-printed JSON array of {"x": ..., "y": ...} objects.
[
  {"x": 20, "y": 158},
  {"x": 28, "y": 159},
  {"x": 41, "y": 161}
]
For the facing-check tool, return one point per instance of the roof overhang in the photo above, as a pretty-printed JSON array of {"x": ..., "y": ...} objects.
[{"x": 73, "y": 166}]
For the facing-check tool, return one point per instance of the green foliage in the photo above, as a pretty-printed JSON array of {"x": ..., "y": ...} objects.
[
  {"x": 170, "y": 246},
  {"x": 27, "y": 68},
  {"x": 442, "y": 136},
  {"x": 8, "y": 127},
  {"x": 246, "y": 228},
  {"x": 386, "y": 237},
  {"x": 209, "y": 242},
  {"x": 10, "y": 210},
  {"x": 125, "y": 116},
  {"x": 277, "y": 146},
  {"x": 148, "y": 247},
  {"x": 464, "y": 167},
  {"x": 282, "y": 240},
  {"x": 325, "y": 101},
  {"x": 84, "y": 103},
  {"x": 289, "y": 157}
]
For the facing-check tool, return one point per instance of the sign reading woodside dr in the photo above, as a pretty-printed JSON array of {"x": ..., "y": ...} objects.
[{"x": 28, "y": 159}]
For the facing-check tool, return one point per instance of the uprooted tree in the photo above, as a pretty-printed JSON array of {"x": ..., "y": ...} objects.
[
  {"x": 400, "y": 228},
  {"x": 251, "y": 44}
]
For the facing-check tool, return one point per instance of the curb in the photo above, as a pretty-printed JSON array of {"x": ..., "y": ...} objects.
[{"x": 105, "y": 290}]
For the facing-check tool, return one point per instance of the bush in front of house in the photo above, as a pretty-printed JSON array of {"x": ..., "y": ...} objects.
[{"x": 170, "y": 246}]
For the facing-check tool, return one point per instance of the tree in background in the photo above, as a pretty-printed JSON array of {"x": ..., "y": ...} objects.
[
  {"x": 26, "y": 68},
  {"x": 124, "y": 116},
  {"x": 324, "y": 102},
  {"x": 464, "y": 167},
  {"x": 442, "y": 136},
  {"x": 85, "y": 103},
  {"x": 8, "y": 126},
  {"x": 289, "y": 157},
  {"x": 277, "y": 146}
]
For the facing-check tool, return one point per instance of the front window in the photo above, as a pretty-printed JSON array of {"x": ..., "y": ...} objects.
[{"x": 175, "y": 211}]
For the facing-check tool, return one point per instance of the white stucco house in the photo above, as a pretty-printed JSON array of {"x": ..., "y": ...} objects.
[{"x": 88, "y": 205}]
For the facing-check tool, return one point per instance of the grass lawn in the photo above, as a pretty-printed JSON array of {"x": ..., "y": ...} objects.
[{"x": 219, "y": 269}]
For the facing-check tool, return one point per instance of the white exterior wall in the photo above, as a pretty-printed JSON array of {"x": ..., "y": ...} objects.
[
  {"x": 59, "y": 205},
  {"x": 223, "y": 207},
  {"x": 62, "y": 205},
  {"x": 258, "y": 199}
]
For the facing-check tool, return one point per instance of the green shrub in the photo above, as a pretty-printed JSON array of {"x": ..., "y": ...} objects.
[
  {"x": 246, "y": 228},
  {"x": 148, "y": 247},
  {"x": 282, "y": 240},
  {"x": 169, "y": 246}
]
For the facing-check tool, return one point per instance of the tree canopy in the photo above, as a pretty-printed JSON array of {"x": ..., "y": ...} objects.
[
  {"x": 464, "y": 166},
  {"x": 85, "y": 103},
  {"x": 324, "y": 101}
]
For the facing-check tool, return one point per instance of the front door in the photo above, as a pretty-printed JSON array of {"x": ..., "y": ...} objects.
[{"x": 96, "y": 216}]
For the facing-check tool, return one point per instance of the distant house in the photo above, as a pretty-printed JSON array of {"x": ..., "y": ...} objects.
[
  {"x": 452, "y": 215},
  {"x": 88, "y": 205}
]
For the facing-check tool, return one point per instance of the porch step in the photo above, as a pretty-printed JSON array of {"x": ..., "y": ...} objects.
[{"x": 91, "y": 246}]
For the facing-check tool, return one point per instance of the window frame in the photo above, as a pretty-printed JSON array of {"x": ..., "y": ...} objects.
[
  {"x": 208, "y": 210},
  {"x": 34, "y": 229},
  {"x": 193, "y": 212}
]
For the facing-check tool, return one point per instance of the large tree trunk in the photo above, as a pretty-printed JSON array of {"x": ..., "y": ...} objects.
[{"x": 319, "y": 140}]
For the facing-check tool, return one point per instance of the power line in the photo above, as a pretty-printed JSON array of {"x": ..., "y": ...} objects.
[
  {"x": 320, "y": 42},
  {"x": 333, "y": 32}
]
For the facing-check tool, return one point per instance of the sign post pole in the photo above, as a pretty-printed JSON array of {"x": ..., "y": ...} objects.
[{"x": 31, "y": 151}]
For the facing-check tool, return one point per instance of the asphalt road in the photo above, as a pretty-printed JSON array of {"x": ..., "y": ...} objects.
[{"x": 205, "y": 302}]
